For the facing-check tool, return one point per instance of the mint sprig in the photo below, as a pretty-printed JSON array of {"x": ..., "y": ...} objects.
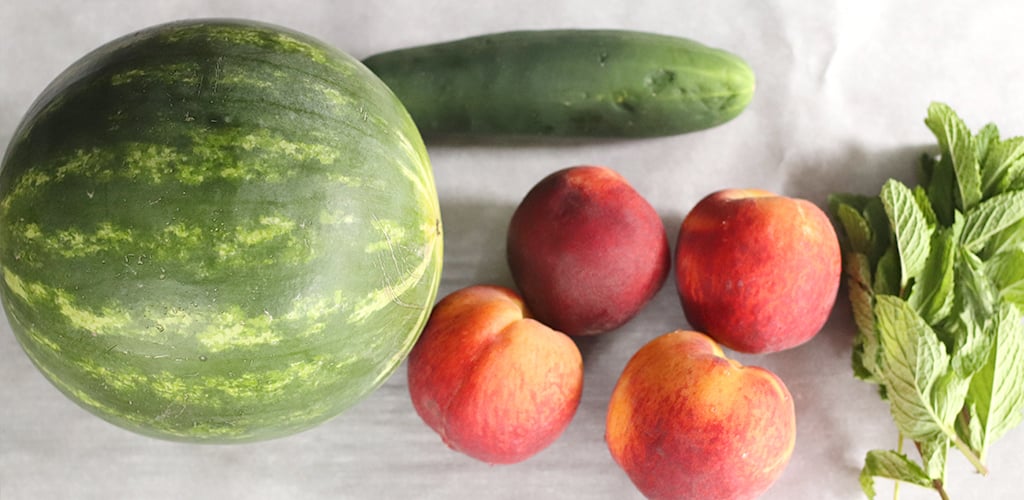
[{"x": 935, "y": 277}]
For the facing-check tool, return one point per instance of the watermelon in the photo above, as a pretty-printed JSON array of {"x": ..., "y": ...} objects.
[{"x": 217, "y": 231}]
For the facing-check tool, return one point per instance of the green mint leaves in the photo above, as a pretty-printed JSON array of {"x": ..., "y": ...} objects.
[{"x": 935, "y": 276}]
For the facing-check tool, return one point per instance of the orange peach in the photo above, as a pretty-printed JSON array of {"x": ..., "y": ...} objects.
[
  {"x": 686, "y": 422},
  {"x": 586, "y": 250},
  {"x": 494, "y": 383},
  {"x": 756, "y": 271}
]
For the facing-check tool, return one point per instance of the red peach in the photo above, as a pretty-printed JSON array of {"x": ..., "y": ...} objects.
[
  {"x": 686, "y": 422},
  {"x": 494, "y": 383},
  {"x": 586, "y": 251},
  {"x": 756, "y": 271}
]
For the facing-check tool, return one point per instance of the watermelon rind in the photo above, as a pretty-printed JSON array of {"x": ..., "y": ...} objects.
[{"x": 217, "y": 230}]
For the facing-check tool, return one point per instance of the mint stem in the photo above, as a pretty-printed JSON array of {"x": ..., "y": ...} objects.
[
  {"x": 896, "y": 484},
  {"x": 937, "y": 484},
  {"x": 970, "y": 455}
]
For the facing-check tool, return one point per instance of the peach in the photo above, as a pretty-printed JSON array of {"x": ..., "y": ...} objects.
[
  {"x": 494, "y": 383},
  {"x": 756, "y": 271},
  {"x": 586, "y": 251},
  {"x": 686, "y": 422}
]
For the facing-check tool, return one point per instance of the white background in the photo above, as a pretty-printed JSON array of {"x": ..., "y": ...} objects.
[{"x": 842, "y": 91}]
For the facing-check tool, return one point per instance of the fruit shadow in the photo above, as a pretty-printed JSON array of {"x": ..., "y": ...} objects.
[
  {"x": 474, "y": 244},
  {"x": 838, "y": 416},
  {"x": 854, "y": 169}
]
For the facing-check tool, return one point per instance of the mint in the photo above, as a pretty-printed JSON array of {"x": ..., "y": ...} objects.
[
  {"x": 958, "y": 147},
  {"x": 911, "y": 229},
  {"x": 985, "y": 138},
  {"x": 935, "y": 276},
  {"x": 915, "y": 363},
  {"x": 990, "y": 217},
  {"x": 996, "y": 396},
  {"x": 891, "y": 465},
  {"x": 858, "y": 229},
  {"x": 1006, "y": 270},
  {"x": 967, "y": 329},
  {"x": 933, "y": 295}
]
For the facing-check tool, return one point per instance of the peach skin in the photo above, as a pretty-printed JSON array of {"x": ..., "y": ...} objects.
[
  {"x": 492, "y": 382},
  {"x": 685, "y": 422},
  {"x": 586, "y": 251},
  {"x": 756, "y": 271}
]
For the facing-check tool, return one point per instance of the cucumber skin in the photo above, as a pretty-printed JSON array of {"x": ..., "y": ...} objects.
[{"x": 570, "y": 83}]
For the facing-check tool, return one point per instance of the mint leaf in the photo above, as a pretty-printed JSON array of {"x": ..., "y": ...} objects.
[
  {"x": 958, "y": 146},
  {"x": 1006, "y": 271},
  {"x": 973, "y": 307},
  {"x": 948, "y": 396},
  {"x": 866, "y": 347},
  {"x": 858, "y": 364},
  {"x": 869, "y": 211},
  {"x": 890, "y": 465},
  {"x": 933, "y": 457},
  {"x": 1004, "y": 241},
  {"x": 1002, "y": 165},
  {"x": 887, "y": 273},
  {"x": 932, "y": 296},
  {"x": 910, "y": 226},
  {"x": 1016, "y": 183},
  {"x": 984, "y": 140},
  {"x": 996, "y": 396},
  {"x": 858, "y": 274},
  {"x": 921, "y": 197},
  {"x": 855, "y": 228},
  {"x": 940, "y": 187},
  {"x": 970, "y": 427},
  {"x": 990, "y": 217},
  {"x": 881, "y": 231},
  {"x": 914, "y": 362}
]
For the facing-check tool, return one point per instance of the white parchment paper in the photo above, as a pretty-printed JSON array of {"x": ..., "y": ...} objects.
[{"x": 843, "y": 88}]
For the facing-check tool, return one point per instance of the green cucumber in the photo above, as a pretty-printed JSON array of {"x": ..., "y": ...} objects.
[
  {"x": 217, "y": 231},
  {"x": 573, "y": 83}
]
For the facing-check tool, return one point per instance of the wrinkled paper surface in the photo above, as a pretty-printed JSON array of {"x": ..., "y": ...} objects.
[{"x": 843, "y": 88}]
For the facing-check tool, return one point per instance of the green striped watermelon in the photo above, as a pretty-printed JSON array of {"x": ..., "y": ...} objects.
[{"x": 217, "y": 231}]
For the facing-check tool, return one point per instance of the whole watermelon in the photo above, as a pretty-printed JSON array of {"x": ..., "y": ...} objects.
[{"x": 217, "y": 231}]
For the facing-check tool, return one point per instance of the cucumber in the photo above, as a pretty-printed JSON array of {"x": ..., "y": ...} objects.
[{"x": 571, "y": 83}]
